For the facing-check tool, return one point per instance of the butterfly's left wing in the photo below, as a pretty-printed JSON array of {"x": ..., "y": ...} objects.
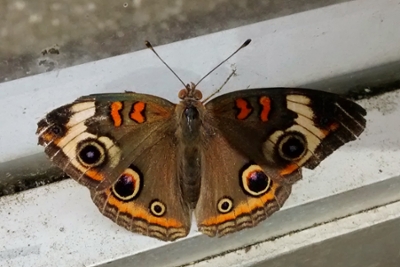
[
  {"x": 283, "y": 129},
  {"x": 256, "y": 141},
  {"x": 235, "y": 193}
]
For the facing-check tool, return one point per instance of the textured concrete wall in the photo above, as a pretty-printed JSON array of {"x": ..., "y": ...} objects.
[{"x": 84, "y": 31}]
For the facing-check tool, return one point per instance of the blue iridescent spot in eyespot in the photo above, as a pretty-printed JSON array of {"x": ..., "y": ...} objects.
[
  {"x": 292, "y": 146},
  {"x": 128, "y": 185},
  {"x": 257, "y": 181},
  {"x": 125, "y": 186},
  {"x": 91, "y": 153}
]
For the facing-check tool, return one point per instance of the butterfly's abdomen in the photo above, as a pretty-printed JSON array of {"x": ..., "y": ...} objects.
[
  {"x": 191, "y": 175},
  {"x": 189, "y": 134}
]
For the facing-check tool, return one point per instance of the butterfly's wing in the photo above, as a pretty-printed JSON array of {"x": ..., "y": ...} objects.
[
  {"x": 147, "y": 198},
  {"x": 264, "y": 136},
  {"x": 283, "y": 129},
  {"x": 235, "y": 193},
  {"x": 96, "y": 137},
  {"x": 115, "y": 145}
]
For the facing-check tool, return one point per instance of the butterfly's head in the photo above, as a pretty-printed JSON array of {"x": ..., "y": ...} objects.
[{"x": 190, "y": 92}]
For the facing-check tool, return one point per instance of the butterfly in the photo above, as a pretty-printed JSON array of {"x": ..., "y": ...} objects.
[{"x": 232, "y": 160}]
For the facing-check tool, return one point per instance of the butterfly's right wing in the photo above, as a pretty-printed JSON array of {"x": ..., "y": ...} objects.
[
  {"x": 123, "y": 148},
  {"x": 96, "y": 137},
  {"x": 147, "y": 198}
]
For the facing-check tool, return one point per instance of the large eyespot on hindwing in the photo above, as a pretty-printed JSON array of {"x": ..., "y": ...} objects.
[
  {"x": 157, "y": 208},
  {"x": 225, "y": 205},
  {"x": 128, "y": 185},
  {"x": 253, "y": 180}
]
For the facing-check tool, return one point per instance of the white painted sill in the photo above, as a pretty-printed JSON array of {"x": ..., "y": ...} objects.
[{"x": 58, "y": 225}]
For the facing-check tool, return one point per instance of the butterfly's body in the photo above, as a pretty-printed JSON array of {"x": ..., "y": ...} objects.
[
  {"x": 148, "y": 162},
  {"x": 189, "y": 133}
]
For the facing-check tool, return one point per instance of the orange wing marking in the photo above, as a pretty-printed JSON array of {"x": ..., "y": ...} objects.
[
  {"x": 244, "y": 109},
  {"x": 137, "y": 113},
  {"x": 115, "y": 113},
  {"x": 289, "y": 169},
  {"x": 266, "y": 108},
  {"x": 138, "y": 211},
  {"x": 244, "y": 208},
  {"x": 94, "y": 175}
]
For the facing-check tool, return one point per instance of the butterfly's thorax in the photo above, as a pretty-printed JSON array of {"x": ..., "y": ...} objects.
[{"x": 189, "y": 133}]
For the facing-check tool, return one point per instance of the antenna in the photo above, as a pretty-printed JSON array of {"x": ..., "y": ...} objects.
[
  {"x": 246, "y": 43},
  {"x": 148, "y": 44}
]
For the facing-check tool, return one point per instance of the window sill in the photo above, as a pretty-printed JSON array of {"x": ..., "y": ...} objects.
[{"x": 59, "y": 223}]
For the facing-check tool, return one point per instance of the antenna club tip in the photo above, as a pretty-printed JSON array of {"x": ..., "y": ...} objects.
[
  {"x": 246, "y": 43},
  {"x": 148, "y": 44}
]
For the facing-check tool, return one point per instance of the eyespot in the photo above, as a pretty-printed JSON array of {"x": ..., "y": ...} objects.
[
  {"x": 225, "y": 205},
  {"x": 128, "y": 185},
  {"x": 292, "y": 146},
  {"x": 253, "y": 180},
  {"x": 157, "y": 208},
  {"x": 91, "y": 153}
]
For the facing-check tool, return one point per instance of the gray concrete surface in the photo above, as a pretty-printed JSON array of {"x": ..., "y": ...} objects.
[{"x": 83, "y": 31}]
